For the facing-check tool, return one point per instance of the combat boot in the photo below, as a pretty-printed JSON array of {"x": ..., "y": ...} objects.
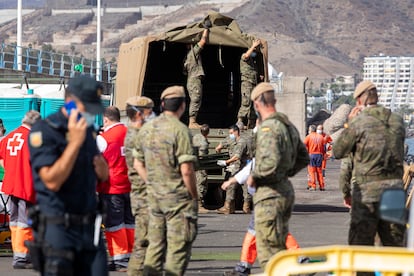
[
  {"x": 246, "y": 207},
  {"x": 192, "y": 123},
  {"x": 201, "y": 209},
  {"x": 228, "y": 208}
]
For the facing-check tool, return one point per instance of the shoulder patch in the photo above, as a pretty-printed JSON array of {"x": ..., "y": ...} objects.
[
  {"x": 265, "y": 129},
  {"x": 36, "y": 139}
]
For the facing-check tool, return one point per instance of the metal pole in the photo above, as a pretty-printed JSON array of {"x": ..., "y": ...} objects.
[
  {"x": 19, "y": 35},
  {"x": 98, "y": 41}
]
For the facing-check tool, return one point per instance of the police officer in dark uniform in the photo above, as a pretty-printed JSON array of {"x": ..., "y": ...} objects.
[{"x": 66, "y": 167}]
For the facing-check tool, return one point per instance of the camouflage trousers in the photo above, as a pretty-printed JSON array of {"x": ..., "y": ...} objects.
[
  {"x": 231, "y": 192},
  {"x": 365, "y": 224},
  {"x": 202, "y": 182},
  {"x": 173, "y": 224},
  {"x": 246, "y": 107},
  {"x": 271, "y": 217},
  {"x": 139, "y": 208},
  {"x": 195, "y": 91},
  {"x": 345, "y": 176}
]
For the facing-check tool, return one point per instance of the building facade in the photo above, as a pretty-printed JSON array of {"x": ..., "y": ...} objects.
[{"x": 394, "y": 78}]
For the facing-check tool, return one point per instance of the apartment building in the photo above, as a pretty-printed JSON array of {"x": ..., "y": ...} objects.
[{"x": 394, "y": 78}]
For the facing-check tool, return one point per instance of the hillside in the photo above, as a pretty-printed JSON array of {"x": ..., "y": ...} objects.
[
  {"x": 315, "y": 38},
  {"x": 320, "y": 37}
]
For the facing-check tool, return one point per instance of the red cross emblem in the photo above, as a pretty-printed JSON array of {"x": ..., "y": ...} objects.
[{"x": 15, "y": 144}]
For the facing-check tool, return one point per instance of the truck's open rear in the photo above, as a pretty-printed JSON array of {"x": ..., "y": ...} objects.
[{"x": 147, "y": 65}]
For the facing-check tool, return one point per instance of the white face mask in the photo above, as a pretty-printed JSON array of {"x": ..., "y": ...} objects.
[
  {"x": 232, "y": 136},
  {"x": 319, "y": 131},
  {"x": 90, "y": 118}
]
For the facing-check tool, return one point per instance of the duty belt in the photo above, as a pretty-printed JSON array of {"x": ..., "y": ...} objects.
[{"x": 71, "y": 219}]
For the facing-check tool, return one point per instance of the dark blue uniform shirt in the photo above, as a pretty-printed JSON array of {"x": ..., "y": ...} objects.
[{"x": 78, "y": 193}]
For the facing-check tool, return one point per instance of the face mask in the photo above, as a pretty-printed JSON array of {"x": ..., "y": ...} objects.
[
  {"x": 150, "y": 117},
  {"x": 90, "y": 118},
  {"x": 319, "y": 131},
  {"x": 232, "y": 136},
  {"x": 253, "y": 54}
]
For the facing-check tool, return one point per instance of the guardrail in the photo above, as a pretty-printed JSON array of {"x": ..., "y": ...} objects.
[
  {"x": 342, "y": 261},
  {"x": 53, "y": 64}
]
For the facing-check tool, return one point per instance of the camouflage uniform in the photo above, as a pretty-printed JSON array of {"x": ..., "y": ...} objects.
[
  {"x": 248, "y": 72},
  {"x": 345, "y": 176},
  {"x": 277, "y": 149},
  {"x": 202, "y": 144},
  {"x": 240, "y": 149},
  {"x": 376, "y": 139},
  {"x": 193, "y": 67},
  {"x": 162, "y": 145},
  {"x": 139, "y": 207}
]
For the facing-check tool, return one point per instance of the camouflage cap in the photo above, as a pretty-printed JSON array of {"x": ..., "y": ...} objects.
[
  {"x": 261, "y": 88},
  {"x": 362, "y": 87},
  {"x": 173, "y": 92},
  {"x": 140, "y": 101}
]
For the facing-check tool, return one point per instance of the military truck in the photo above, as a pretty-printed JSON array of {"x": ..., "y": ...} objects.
[{"x": 147, "y": 65}]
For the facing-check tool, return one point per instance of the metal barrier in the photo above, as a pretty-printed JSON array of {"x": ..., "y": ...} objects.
[
  {"x": 53, "y": 64},
  {"x": 342, "y": 261}
]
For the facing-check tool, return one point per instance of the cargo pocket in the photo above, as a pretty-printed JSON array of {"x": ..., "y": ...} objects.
[{"x": 190, "y": 227}]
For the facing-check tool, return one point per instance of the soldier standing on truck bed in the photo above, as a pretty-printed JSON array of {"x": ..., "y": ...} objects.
[
  {"x": 248, "y": 72},
  {"x": 193, "y": 68}
]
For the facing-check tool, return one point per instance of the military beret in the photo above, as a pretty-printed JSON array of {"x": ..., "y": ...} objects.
[
  {"x": 173, "y": 92},
  {"x": 261, "y": 88},
  {"x": 362, "y": 87},
  {"x": 140, "y": 101}
]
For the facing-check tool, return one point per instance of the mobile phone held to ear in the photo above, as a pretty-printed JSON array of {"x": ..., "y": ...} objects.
[{"x": 69, "y": 106}]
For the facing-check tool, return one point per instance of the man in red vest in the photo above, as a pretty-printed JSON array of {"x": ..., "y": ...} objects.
[
  {"x": 114, "y": 193},
  {"x": 18, "y": 184}
]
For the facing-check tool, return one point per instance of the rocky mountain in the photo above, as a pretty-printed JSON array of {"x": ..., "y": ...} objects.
[
  {"x": 327, "y": 37},
  {"x": 315, "y": 38}
]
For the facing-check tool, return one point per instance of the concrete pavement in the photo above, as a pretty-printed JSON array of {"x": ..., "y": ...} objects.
[{"x": 319, "y": 218}]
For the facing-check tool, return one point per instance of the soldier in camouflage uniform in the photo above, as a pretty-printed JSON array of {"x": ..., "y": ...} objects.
[
  {"x": 375, "y": 138},
  {"x": 278, "y": 149},
  {"x": 138, "y": 110},
  {"x": 193, "y": 68},
  {"x": 239, "y": 156},
  {"x": 201, "y": 142},
  {"x": 248, "y": 72},
  {"x": 164, "y": 158}
]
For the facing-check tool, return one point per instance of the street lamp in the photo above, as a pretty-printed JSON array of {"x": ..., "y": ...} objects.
[
  {"x": 98, "y": 41},
  {"x": 19, "y": 35}
]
